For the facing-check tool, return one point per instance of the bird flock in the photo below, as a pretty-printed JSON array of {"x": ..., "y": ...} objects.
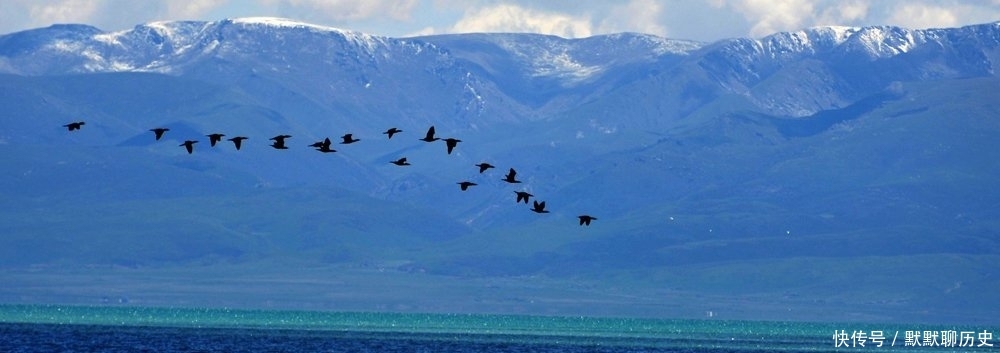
[{"x": 324, "y": 146}]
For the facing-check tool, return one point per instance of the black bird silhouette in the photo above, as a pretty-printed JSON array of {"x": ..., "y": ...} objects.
[
  {"x": 539, "y": 207},
  {"x": 510, "y": 177},
  {"x": 451, "y": 143},
  {"x": 585, "y": 219},
  {"x": 466, "y": 184},
  {"x": 522, "y": 195},
  {"x": 74, "y": 126},
  {"x": 430, "y": 135},
  {"x": 326, "y": 149},
  {"x": 159, "y": 132},
  {"x": 400, "y": 162},
  {"x": 324, "y": 146},
  {"x": 213, "y": 138},
  {"x": 189, "y": 145},
  {"x": 238, "y": 141},
  {"x": 321, "y": 143},
  {"x": 392, "y": 131},
  {"x": 484, "y": 166},
  {"x": 348, "y": 139},
  {"x": 279, "y": 142}
]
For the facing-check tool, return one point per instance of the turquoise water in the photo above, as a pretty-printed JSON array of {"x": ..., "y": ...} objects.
[{"x": 23, "y": 324}]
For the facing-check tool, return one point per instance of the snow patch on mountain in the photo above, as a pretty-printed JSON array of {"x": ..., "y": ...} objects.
[
  {"x": 882, "y": 42},
  {"x": 562, "y": 65},
  {"x": 874, "y": 42},
  {"x": 370, "y": 42},
  {"x": 656, "y": 44},
  {"x": 574, "y": 61}
]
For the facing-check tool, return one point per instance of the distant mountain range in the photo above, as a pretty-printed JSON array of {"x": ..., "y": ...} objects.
[{"x": 805, "y": 165}]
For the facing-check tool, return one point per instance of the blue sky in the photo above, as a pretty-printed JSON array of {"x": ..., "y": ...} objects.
[{"x": 703, "y": 20}]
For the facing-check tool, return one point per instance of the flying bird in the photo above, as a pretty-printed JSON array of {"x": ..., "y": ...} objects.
[
  {"x": 159, "y": 132},
  {"x": 539, "y": 207},
  {"x": 510, "y": 177},
  {"x": 400, "y": 162},
  {"x": 466, "y": 184},
  {"x": 321, "y": 143},
  {"x": 74, "y": 126},
  {"x": 326, "y": 149},
  {"x": 213, "y": 138},
  {"x": 585, "y": 219},
  {"x": 324, "y": 146},
  {"x": 238, "y": 141},
  {"x": 392, "y": 131},
  {"x": 189, "y": 145},
  {"x": 522, "y": 195},
  {"x": 348, "y": 139},
  {"x": 430, "y": 135},
  {"x": 451, "y": 143},
  {"x": 279, "y": 142},
  {"x": 484, "y": 166}
]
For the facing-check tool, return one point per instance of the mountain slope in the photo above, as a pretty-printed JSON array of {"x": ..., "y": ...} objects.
[{"x": 772, "y": 169}]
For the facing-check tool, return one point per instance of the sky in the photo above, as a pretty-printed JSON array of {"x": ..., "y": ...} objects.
[{"x": 700, "y": 20}]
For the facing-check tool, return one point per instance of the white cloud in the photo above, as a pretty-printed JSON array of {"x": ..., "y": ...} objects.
[
  {"x": 513, "y": 18},
  {"x": 923, "y": 16},
  {"x": 769, "y": 16},
  {"x": 643, "y": 16},
  {"x": 192, "y": 9},
  {"x": 348, "y": 10},
  {"x": 62, "y": 11},
  {"x": 844, "y": 13}
]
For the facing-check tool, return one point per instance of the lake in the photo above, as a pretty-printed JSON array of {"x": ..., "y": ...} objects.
[{"x": 55, "y": 328}]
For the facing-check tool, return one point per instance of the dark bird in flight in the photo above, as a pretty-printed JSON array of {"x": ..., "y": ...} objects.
[
  {"x": 522, "y": 195},
  {"x": 326, "y": 149},
  {"x": 348, "y": 139},
  {"x": 430, "y": 135},
  {"x": 484, "y": 166},
  {"x": 74, "y": 126},
  {"x": 189, "y": 145},
  {"x": 451, "y": 143},
  {"x": 159, "y": 132},
  {"x": 213, "y": 138},
  {"x": 392, "y": 131},
  {"x": 324, "y": 146},
  {"x": 539, "y": 207},
  {"x": 585, "y": 219},
  {"x": 510, "y": 177},
  {"x": 238, "y": 141},
  {"x": 400, "y": 162},
  {"x": 466, "y": 184},
  {"x": 320, "y": 143},
  {"x": 279, "y": 142}
]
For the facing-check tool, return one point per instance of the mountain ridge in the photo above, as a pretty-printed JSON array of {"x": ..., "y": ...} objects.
[{"x": 704, "y": 165}]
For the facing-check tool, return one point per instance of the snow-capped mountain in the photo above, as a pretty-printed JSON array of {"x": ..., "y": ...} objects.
[
  {"x": 169, "y": 46},
  {"x": 511, "y": 76},
  {"x": 724, "y": 160}
]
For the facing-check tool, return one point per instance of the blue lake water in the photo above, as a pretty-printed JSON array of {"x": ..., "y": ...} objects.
[{"x": 36, "y": 328}]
